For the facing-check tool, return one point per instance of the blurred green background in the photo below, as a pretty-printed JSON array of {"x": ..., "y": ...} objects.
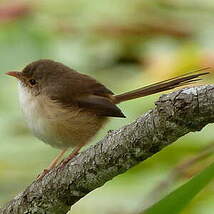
[{"x": 124, "y": 44}]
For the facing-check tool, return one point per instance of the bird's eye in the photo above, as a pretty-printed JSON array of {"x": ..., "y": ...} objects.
[{"x": 32, "y": 82}]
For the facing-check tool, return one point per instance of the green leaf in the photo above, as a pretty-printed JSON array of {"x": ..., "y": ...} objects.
[{"x": 176, "y": 201}]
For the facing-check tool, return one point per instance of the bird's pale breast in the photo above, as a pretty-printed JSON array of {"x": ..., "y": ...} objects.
[{"x": 58, "y": 126}]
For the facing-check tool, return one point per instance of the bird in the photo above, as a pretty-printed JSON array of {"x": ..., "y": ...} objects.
[{"x": 65, "y": 109}]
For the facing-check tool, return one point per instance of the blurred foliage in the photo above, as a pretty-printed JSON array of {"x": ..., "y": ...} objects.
[
  {"x": 124, "y": 44},
  {"x": 176, "y": 201}
]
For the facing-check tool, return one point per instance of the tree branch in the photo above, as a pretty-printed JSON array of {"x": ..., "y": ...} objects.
[{"x": 175, "y": 115}]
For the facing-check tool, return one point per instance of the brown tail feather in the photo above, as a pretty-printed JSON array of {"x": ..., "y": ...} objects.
[{"x": 165, "y": 85}]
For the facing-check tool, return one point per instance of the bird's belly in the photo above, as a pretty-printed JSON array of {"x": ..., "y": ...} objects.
[
  {"x": 67, "y": 132},
  {"x": 61, "y": 128}
]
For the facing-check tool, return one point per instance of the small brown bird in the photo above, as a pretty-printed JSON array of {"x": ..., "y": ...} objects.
[{"x": 65, "y": 109}]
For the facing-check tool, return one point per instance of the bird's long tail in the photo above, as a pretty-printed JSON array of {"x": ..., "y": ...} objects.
[{"x": 165, "y": 85}]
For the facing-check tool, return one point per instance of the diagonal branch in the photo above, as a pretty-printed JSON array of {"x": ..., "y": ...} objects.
[{"x": 176, "y": 114}]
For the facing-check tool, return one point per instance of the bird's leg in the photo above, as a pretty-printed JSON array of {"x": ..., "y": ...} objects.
[
  {"x": 72, "y": 155},
  {"x": 52, "y": 164}
]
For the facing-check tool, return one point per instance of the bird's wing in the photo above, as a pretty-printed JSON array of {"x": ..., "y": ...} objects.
[
  {"x": 100, "y": 105},
  {"x": 87, "y": 93}
]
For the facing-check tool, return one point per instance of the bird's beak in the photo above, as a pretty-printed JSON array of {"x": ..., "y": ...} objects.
[{"x": 16, "y": 74}]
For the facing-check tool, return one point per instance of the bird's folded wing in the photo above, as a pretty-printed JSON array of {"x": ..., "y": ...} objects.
[{"x": 102, "y": 106}]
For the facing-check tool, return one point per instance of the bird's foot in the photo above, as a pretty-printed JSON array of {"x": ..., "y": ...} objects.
[
  {"x": 66, "y": 160},
  {"x": 52, "y": 164}
]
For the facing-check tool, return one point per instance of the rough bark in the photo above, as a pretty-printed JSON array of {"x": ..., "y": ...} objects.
[{"x": 175, "y": 114}]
